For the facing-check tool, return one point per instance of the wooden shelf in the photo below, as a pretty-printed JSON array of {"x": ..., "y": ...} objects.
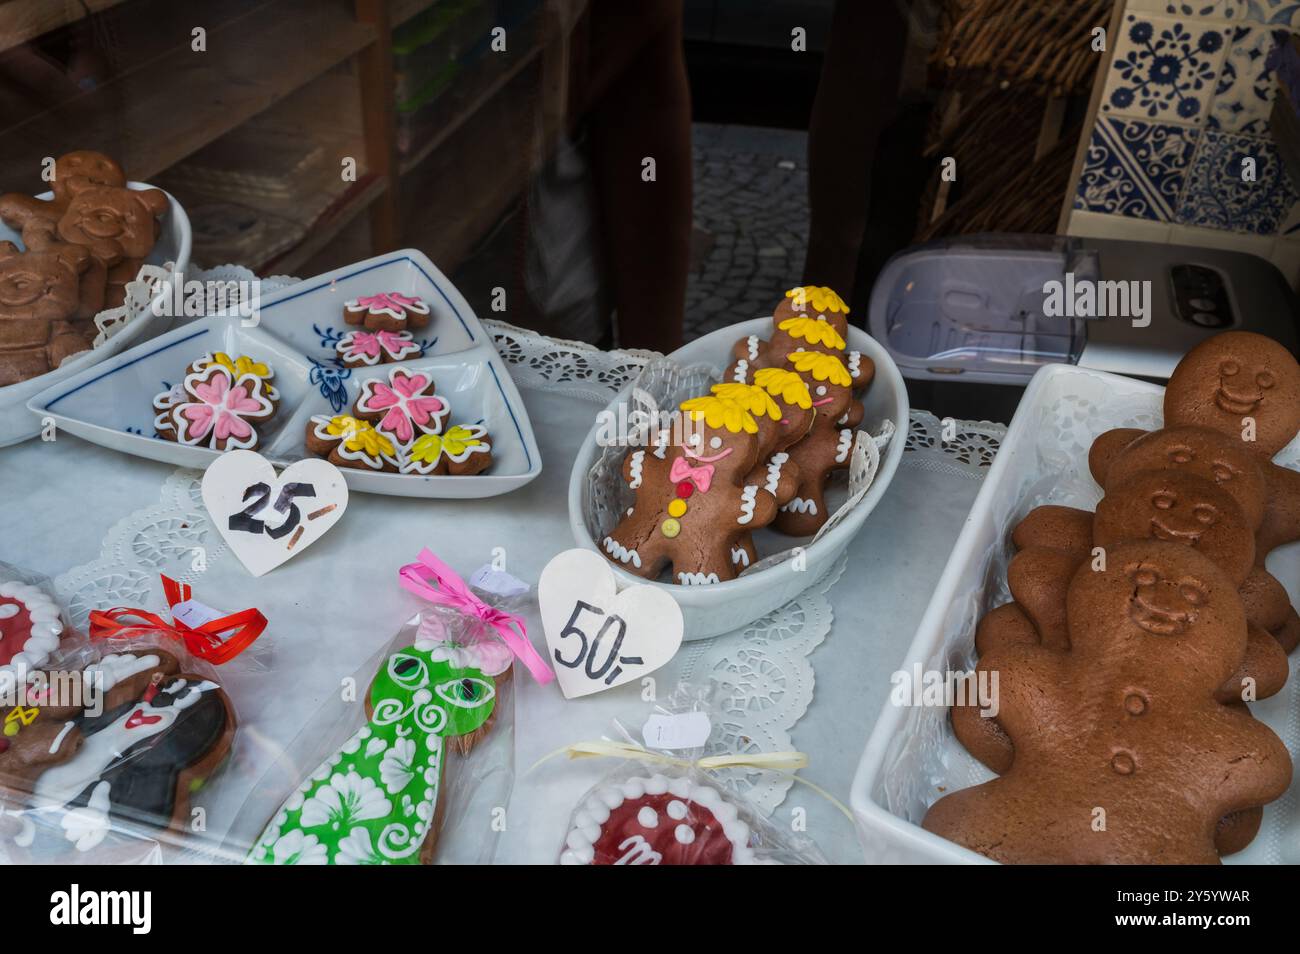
[
  {"x": 325, "y": 229},
  {"x": 164, "y": 110},
  {"x": 25, "y": 20},
  {"x": 399, "y": 11},
  {"x": 485, "y": 95}
]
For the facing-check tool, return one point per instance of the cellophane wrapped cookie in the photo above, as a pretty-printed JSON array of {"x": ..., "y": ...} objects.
[
  {"x": 663, "y": 810},
  {"x": 411, "y": 763},
  {"x": 107, "y": 755}
]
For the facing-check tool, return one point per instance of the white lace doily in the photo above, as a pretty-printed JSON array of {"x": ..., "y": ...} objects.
[{"x": 763, "y": 670}]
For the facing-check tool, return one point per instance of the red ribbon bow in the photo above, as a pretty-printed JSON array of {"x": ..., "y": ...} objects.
[
  {"x": 701, "y": 476},
  {"x": 204, "y": 641}
]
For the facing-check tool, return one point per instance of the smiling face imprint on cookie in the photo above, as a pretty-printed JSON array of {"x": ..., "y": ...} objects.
[{"x": 1235, "y": 380}]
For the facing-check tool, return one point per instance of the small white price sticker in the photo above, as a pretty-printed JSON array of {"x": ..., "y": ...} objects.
[{"x": 677, "y": 730}]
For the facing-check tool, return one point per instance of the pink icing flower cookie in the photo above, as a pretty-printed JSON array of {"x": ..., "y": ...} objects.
[
  {"x": 387, "y": 311},
  {"x": 403, "y": 407},
  {"x": 215, "y": 410},
  {"x": 30, "y": 627},
  {"x": 365, "y": 349}
]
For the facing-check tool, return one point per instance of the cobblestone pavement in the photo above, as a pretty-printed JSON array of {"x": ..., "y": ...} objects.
[{"x": 751, "y": 223}]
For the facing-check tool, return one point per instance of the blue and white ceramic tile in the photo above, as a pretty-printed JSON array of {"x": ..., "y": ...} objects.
[
  {"x": 1208, "y": 9},
  {"x": 1163, "y": 69},
  {"x": 1247, "y": 86},
  {"x": 1135, "y": 168},
  {"x": 1277, "y": 13},
  {"x": 1216, "y": 196}
]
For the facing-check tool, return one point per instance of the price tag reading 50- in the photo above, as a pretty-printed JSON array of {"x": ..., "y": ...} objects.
[{"x": 600, "y": 637}]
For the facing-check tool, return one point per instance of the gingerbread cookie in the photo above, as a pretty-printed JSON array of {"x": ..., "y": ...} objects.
[
  {"x": 657, "y": 820},
  {"x": 241, "y": 366},
  {"x": 1125, "y": 727},
  {"x": 402, "y": 407},
  {"x": 30, "y": 628},
  {"x": 347, "y": 441},
  {"x": 387, "y": 311},
  {"x": 810, "y": 318},
  {"x": 375, "y": 801},
  {"x": 365, "y": 349},
  {"x": 829, "y": 445},
  {"x": 39, "y": 298},
  {"x": 695, "y": 496},
  {"x": 463, "y": 450},
  {"x": 215, "y": 408}
]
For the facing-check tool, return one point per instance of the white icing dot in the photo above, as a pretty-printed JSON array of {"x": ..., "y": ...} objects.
[
  {"x": 656, "y": 785},
  {"x": 676, "y": 810},
  {"x": 684, "y": 834},
  {"x": 647, "y": 817}
]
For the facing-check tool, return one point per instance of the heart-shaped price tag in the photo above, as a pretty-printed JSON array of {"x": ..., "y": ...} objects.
[
  {"x": 597, "y": 637},
  {"x": 268, "y": 519}
]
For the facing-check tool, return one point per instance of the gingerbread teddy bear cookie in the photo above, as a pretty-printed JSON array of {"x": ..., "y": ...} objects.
[
  {"x": 1125, "y": 727},
  {"x": 697, "y": 494},
  {"x": 39, "y": 300}
]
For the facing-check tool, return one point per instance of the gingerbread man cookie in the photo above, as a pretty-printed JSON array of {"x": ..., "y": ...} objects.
[
  {"x": 657, "y": 820},
  {"x": 1126, "y": 726},
  {"x": 828, "y": 447},
  {"x": 377, "y": 799},
  {"x": 387, "y": 311},
  {"x": 696, "y": 495},
  {"x": 810, "y": 318}
]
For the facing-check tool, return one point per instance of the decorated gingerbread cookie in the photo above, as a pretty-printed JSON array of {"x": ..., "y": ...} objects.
[
  {"x": 30, "y": 628},
  {"x": 828, "y": 448},
  {"x": 810, "y": 318},
  {"x": 1126, "y": 726},
  {"x": 462, "y": 450},
  {"x": 375, "y": 801},
  {"x": 403, "y": 406},
  {"x": 241, "y": 366},
  {"x": 365, "y": 349},
  {"x": 214, "y": 408},
  {"x": 348, "y": 441},
  {"x": 697, "y": 494},
  {"x": 657, "y": 820},
  {"x": 387, "y": 311}
]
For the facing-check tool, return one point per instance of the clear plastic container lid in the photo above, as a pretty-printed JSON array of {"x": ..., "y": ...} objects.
[{"x": 972, "y": 308}]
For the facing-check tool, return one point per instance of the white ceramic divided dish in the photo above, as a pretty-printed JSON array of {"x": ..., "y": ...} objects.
[
  {"x": 112, "y": 404},
  {"x": 173, "y": 245},
  {"x": 723, "y": 607},
  {"x": 911, "y": 753}
]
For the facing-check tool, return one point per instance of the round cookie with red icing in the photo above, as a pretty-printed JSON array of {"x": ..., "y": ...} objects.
[
  {"x": 30, "y": 627},
  {"x": 657, "y": 820},
  {"x": 387, "y": 311}
]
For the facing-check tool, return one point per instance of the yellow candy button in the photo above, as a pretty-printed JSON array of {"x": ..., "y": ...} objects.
[
  {"x": 670, "y": 528},
  {"x": 677, "y": 508},
  {"x": 11, "y": 728}
]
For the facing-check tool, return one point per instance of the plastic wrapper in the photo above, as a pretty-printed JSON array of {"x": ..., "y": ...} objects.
[
  {"x": 34, "y": 630},
  {"x": 661, "y": 808},
  {"x": 412, "y": 762},
  {"x": 107, "y": 756}
]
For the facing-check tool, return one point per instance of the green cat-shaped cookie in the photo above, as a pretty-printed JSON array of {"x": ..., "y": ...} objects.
[{"x": 372, "y": 802}]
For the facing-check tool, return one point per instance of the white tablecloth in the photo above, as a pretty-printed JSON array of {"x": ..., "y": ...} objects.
[{"x": 335, "y": 605}]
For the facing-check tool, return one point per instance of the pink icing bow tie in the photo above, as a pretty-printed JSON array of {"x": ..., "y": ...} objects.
[
  {"x": 701, "y": 476},
  {"x": 431, "y": 579}
]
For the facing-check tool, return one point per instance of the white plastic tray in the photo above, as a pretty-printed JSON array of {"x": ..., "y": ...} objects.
[{"x": 911, "y": 757}]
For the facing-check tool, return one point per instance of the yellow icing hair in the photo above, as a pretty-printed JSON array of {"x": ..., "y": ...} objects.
[
  {"x": 823, "y": 366},
  {"x": 820, "y": 297},
  {"x": 359, "y": 436},
  {"x": 787, "y": 384},
  {"x": 814, "y": 331},
  {"x": 753, "y": 399},
  {"x": 716, "y": 412}
]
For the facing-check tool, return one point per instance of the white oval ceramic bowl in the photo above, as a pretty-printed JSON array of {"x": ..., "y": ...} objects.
[
  {"x": 723, "y": 607},
  {"x": 173, "y": 245}
]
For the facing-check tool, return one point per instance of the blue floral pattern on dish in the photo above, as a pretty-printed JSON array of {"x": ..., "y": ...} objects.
[
  {"x": 1135, "y": 168},
  {"x": 1247, "y": 86},
  {"x": 1163, "y": 70},
  {"x": 1270, "y": 12},
  {"x": 330, "y": 381},
  {"x": 1217, "y": 197}
]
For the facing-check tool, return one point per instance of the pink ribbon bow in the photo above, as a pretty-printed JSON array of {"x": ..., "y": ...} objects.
[
  {"x": 701, "y": 476},
  {"x": 431, "y": 579}
]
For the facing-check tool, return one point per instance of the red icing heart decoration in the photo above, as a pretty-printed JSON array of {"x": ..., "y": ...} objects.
[
  {"x": 29, "y": 625},
  {"x": 657, "y": 820},
  {"x": 138, "y": 718}
]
